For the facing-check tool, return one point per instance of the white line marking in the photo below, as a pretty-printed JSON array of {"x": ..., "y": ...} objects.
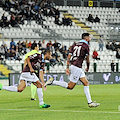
[{"x": 60, "y": 111}]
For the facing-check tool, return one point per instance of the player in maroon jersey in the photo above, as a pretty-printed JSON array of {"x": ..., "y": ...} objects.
[
  {"x": 78, "y": 53},
  {"x": 34, "y": 62}
]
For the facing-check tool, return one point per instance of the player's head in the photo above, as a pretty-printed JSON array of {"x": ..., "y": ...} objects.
[
  {"x": 86, "y": 36},
  {"x": 35, "y": 46},
  {"x": 47, "y": 54}
]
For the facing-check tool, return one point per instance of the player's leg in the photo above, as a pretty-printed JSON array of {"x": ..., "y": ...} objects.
[
  {"x": 66, "y": 85},
  {"x": 87, "y": 92},
  {"x": 33, "y": 91},
  {"x": 73, "y": 80},
  {"x": 69, "y": 85},
  {"x": 20, "y": 88},
  {"x": 86, "y": 88},
  {"x": 40, "y": 95}
]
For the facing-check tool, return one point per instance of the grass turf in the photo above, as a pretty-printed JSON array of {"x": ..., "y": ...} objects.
[{"x": 65, "y": 104}]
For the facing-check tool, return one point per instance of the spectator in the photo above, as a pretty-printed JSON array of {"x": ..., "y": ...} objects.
[
  {"x": 57, "y": 12},
  {"x": 53, "y": 61},
  {"x": 39, "y": 43},
  {"x": 57, "y": 54},
  {"x": 64, "y": 21},
  {"x": 51, "y": 12},
  {"x": 114, "y": 45},
  {"x": 56, "y": 45},
  {"x": 69, "y": 22},
  {"x": 39, "y": 18},
  {"x": 36, "y": 6},
  {"x": 108, "y": 46},
  {"x": 49, "y": 45},
  {"x": 29, "y": 44},
  {"x": 5, "y": 48},
  {"x": 118, "y": 46},
  {"x": 2, "y": 50},
  {"x": 4, "y": 21},
  {"x": 43, "y": 45},
  {"x": 28, "y": 49},
  {"x": 28, "y": 15},
  {"x": 52, "y": 4},
  {"x": 101, "y": 43},
  {"x": 18, "y": 19},
  {"x": 23, "y": 45},
  {"x": 90, "y": 18},
  {"x": 17, "y": 55},
  {"x": 118, "y": 53},
  {"x": 12, "y": 43},
  {"x": 63, "y": 52},
  {"x": 13, "y": 21},
  {"x": 26, "y": 44},
  {"x": 18, "y": 44},
  {"x": 112, "y": 66},
  {"x": 21, "y": 50},
  {"x": 7, "y": 5},
  {"x": 97, "y": 19},
  {"x": 59, "y": 61},
  {"x": 45, "y": 12},
  {"x": 95, "y": 55},
  {"x": 33, "y": 14},
  {"x": 12, "y": 52},
  {"x": 57, "y": 21}
]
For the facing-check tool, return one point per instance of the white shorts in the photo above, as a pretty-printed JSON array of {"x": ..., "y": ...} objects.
[
  {"x": 28, "y": 77},
  {"x": 76, "y": 73}
]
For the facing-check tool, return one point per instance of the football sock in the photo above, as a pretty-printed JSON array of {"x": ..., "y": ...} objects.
[
  {"x": 87, "y": 93},
  {"x": 33, "y": 90},
  {"x": 10, "y": 88},
  {"x": 62, "y": 84},
  {"x": 40, "y": 95}
]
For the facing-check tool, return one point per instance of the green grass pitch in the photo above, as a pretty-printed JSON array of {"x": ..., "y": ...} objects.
[{"x": 65, "y": 104}]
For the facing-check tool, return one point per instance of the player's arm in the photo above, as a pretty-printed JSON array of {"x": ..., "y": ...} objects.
[
  {"x": 41, "y": 75},
  {"x": 87, "y": 62},
  {"x": 25, "y": 63},
  {"x": 68, "y": 64},
  {"x": 29, "y": 64}
]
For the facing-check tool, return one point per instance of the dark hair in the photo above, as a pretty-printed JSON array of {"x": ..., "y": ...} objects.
[
  {"x": 46, "y": 51},
  {"x": 33, "y": 46},
  {"x": 85, "y": 35}
]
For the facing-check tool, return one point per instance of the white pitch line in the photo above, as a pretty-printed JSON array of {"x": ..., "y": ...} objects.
[{"x": 61, "y": 111}]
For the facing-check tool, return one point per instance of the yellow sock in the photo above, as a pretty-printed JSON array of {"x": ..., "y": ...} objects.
[{"x": 33, "y": 90}]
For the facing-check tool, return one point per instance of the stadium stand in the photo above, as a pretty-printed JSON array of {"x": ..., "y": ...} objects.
[{"x": 50, "y": 30}]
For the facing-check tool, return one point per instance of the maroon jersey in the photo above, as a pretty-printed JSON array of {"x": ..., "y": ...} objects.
[
  {"x": 37, "y": 62},
  {"x": 78, "y": 52}
]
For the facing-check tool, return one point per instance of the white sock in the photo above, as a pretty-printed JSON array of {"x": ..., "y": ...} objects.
[
  {"x": 87, "y": 93},
  {"x": 62, "y": 84},
  {"x": 40, "y": 95},
  {"x": 10, "y": 88}
]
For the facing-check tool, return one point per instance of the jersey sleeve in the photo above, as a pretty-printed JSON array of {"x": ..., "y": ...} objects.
[{"x": 71, "y": 50}]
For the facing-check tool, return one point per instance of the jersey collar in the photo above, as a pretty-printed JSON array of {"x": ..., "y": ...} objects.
[{"x": 84, "y": 41}]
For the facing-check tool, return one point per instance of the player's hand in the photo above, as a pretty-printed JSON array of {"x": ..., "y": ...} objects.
[
  {"x": 86, "y": 69},
  {"x": 67, "y": 71},
  {"x": 32, "y": 70},
  {"x": 45, "y": 88}
]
